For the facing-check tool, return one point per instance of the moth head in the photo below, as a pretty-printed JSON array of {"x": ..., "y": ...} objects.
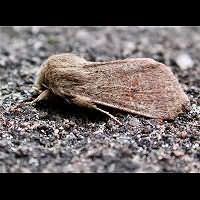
[
  {"x": 39, "y": 82},
  {"x": 56, "y": 61}
]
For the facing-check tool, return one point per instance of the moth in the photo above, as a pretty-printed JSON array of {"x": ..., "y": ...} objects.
[{"x": 139, "y": 86}]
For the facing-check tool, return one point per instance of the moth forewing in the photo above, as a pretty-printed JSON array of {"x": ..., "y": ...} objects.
[{"x": 139, "y": 86}]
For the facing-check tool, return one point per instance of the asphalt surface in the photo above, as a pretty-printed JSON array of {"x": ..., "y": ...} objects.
[{"x": 55, "y": 137}]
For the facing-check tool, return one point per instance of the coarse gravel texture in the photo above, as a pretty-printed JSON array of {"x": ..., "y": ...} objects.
[{"x": 55, "y": 137}]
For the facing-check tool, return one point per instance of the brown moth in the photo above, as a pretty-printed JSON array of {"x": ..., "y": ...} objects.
[{"x": 140, "y": 86}]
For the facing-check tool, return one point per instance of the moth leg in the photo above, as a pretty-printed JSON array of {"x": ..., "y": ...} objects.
[
  {"x": 86, "y": 102},
  {"x": 35, "y": 89},
  {"x": 43, "y": 96},
  {"x": 107, "y": 113},
  {"x": 39, "y": 88}
]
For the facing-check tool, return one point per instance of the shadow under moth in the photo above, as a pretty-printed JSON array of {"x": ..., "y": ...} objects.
[{"x": 140, "y": 86}]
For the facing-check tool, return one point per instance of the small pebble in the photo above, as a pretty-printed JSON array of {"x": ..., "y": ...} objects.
[
  {"x": 178, "y": 153},
  {"x": 134, "y": 122},
  {"x": 183, "y": 135},
  {"x": 56, "y": 131},
  {"x": 184, "y": 61}
]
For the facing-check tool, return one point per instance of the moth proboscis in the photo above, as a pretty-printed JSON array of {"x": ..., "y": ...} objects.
[{"x": 140, "y": 86}]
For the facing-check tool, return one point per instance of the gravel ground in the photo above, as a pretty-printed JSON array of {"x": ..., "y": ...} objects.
[{"x": 51, "y": 138}]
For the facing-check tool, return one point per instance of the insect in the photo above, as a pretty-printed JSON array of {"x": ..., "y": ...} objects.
[{"x": 140, "y": 86}]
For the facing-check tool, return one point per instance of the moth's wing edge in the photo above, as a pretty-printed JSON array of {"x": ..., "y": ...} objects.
[{"x": 128, "y": 110}]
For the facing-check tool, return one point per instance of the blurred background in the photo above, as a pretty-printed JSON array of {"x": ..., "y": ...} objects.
[{"x": 25, "y": 48}]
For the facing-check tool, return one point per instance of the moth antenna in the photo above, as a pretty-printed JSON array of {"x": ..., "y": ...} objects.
[{"x": 107, "y": 113}]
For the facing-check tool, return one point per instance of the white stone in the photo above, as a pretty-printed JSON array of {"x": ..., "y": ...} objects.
[{"x": 184, "y": 61}]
